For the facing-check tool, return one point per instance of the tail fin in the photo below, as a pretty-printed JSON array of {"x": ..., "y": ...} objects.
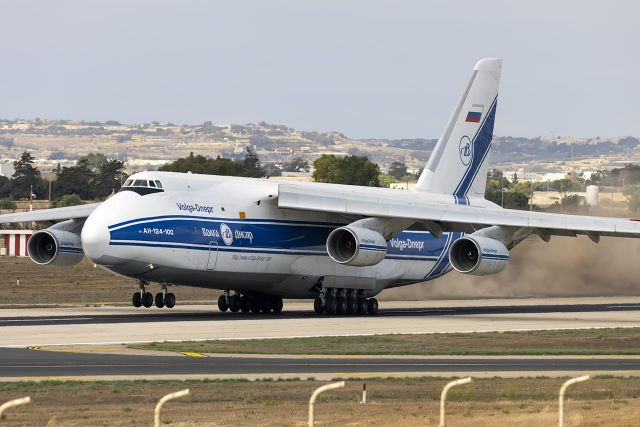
[{"x": 458, "y": 164}]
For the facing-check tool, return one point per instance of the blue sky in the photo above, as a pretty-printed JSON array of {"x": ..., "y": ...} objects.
[{"x": 365, "y": 68}]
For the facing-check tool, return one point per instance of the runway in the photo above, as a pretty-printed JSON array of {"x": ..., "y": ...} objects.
[
  {"x": 107, "y": 325},
  {"x": 73, "y": 333},
  {"x": 25, "y": 363}
]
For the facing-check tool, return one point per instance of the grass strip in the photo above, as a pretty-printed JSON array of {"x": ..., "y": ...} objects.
[{"x": 620, "y": 341}]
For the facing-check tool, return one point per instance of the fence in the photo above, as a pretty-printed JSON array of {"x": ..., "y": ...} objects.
[{"x": 606, "y": 401}]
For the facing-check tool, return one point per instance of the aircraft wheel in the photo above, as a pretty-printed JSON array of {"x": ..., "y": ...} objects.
[
  {"x": 234, "y": 303},
  {"x": 372, "y": 306},
  {"x": 170, "y": 300},
  {"x": 318, "y": 306},
  {"x": 147, "y": 299},
  {"x": 361, "y": 305},
  {"x": 276, "y": 305},
  {"x": 266, "y": 305},
  {"x": 222, "y": 303},
  {"x": 255, "y": 305},
  {"x": 341, "y": 309},
  {"x": 137, "y": 300},
  {"x": 331, "y": 305},
  {"x": 159, "y": 300},
  {"x": 245, "y": 304},
  {"x": 352, "y": 306}
]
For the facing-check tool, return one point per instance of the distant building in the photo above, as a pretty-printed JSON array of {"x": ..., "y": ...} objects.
[{"x": 14, "y": 242}]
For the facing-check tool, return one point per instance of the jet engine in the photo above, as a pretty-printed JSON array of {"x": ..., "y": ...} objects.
[
  {"x": 356, "y": 246},
  {"x": 478, "y": 255},
  {"x": 55, "y": 247}
]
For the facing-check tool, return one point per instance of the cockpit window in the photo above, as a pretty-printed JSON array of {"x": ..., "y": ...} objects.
[{"x": 142, "y": 186}]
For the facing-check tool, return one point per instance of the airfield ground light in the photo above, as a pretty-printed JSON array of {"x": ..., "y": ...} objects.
[
  {"x": 563, "y": 389},
  {"x": 170, "y": 396},
  {"x": 443, "y": 397},
  {"x": 12, "y": 403},
  {"x": 315, "y": 395}
]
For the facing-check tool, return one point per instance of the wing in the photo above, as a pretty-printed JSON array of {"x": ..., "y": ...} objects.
[
  {"x": 412, "y": 205},
  {"x": 56, "y": 214}
]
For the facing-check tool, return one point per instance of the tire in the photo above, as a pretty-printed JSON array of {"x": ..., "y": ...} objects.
[
  {"x": 372, "y": 306},
  {"x": 318, "y": 305},
  {"x": 137, "y": 300},
  {"x": 255, "y": 305},
  {"x": 147, "y": 299},
  {"x": 361, "y": 305},
  {"x": 159, "y": 300},
  {"x": 222, "y": 303},
  {"x": 352, "y": 306},
  {"x": 234, "y": 303},
  {"x": 245, "y": 304},
  {"x": 276, "y": 305},
  {"x": 266, "y": 305},
  {"x": 341, "y": 309},
  {"x": 170, "y": 300},
  {"x": 331, "y": 305}
]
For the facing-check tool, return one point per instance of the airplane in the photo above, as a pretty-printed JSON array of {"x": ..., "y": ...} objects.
[{"x": 260, "y": 240}]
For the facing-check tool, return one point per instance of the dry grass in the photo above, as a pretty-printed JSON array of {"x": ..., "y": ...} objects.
[
  {"x": 588, "y": 341},
  {"x": 391, "y": 402},
  {"x": 80, "y": 284}
]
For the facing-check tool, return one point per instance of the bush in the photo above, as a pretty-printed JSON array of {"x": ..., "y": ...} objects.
[
  {"x": 67, "y": 200},
  {"x": 8, "y": 203}
]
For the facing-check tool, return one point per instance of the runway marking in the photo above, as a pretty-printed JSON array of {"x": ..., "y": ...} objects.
[
  {"x": 34, "y": 347},
  {"x": 193, "y": 354},
  {"x": 66, "y": 319},
  {"x": 623, "y": 306}
]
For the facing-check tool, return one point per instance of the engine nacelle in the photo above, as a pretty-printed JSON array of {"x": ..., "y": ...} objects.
[
  {"x": 55, "y": 247},
  {"x": 478, "y": 255},
  {"x": 356, "y": 246}
]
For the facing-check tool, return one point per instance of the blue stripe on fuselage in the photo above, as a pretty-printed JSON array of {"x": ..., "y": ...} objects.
[{"x": 264, "y": 235}]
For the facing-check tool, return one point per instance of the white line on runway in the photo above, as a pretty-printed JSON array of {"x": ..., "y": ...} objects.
[
  {"x": 623, "y": 306},
  {"x": 477, "y": 331},
  {"x": 46, "y": 320}
]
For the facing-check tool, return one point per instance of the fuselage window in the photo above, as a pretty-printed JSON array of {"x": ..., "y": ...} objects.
[{"x": 158, "y": 184}]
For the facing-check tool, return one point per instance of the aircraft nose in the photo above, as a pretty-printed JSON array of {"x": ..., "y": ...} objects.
[{"x": 95, "y": 239}]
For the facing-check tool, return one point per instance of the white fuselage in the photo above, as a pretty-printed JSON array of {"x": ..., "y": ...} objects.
[{"x": 228, "y": 233}]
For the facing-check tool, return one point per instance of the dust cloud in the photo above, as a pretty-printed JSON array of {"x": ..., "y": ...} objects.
[{"x": 563, "y": 267}]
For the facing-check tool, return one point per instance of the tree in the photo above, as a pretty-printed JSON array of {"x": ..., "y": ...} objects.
[
  {"x": 350, "y": 170},
  {"x": 249, "y": 166},
  {"x": 25, "y": 178},
  {"x": 107, "y": 178},
  {"x": 67, "y": 200},
  {"x": 398, "y": 170},
  {"x": 271, "y": 170},
  {"x": 296, "y": 165},
  {"x": 252, "y": 163},
  {"x": 74, "y": 180}
]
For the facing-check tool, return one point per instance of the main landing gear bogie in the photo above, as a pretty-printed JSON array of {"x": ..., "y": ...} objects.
[
  {"x": 249, "y": 303},
  {"x": 344, "y": 302},
  {"x": 143, "y": 298}
]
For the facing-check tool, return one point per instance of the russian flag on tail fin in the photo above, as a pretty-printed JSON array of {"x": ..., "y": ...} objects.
[{"x": 475, "y": 114}]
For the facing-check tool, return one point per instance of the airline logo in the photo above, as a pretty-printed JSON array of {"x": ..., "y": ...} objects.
[
  {"x": 465, "y": 149},
  {"x": 227, "y": 234},
  {"x": 475, "y": 113}
]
